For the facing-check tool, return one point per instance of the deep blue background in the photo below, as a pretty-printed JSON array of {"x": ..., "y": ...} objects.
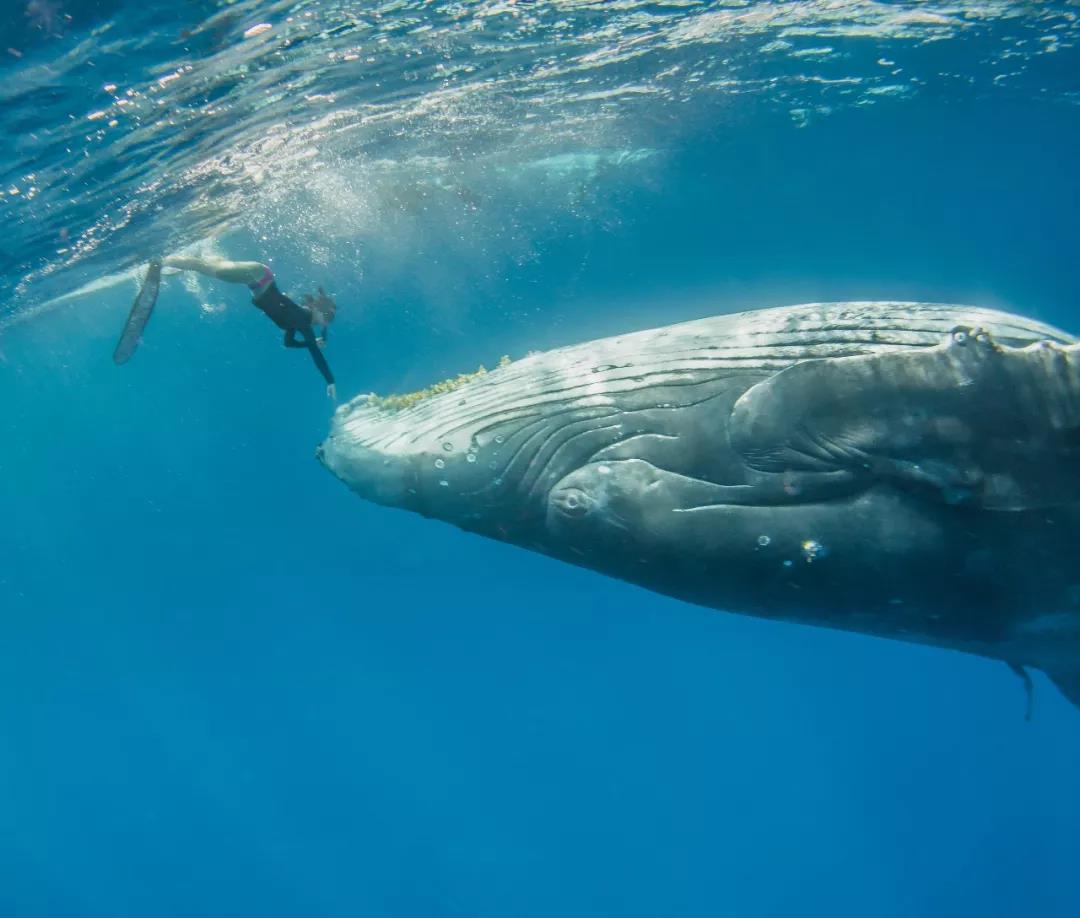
[{"x": 229, "y": 687}]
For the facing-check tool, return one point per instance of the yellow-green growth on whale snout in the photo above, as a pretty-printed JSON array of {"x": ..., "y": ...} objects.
[{"x": 399, "y": 402}]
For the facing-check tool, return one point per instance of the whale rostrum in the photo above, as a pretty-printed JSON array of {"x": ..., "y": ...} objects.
[{"x": 907, "y": 470}]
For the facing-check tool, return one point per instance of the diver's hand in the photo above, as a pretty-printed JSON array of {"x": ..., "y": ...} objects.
[
  {"x": 321, "y": 342},
  {"x": 331, "y": 392}
]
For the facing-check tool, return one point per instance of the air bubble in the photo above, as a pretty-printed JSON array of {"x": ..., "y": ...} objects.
[
  {"x": 439, "y": 464},
  {"x": 813, "y": 551},
  {"x": 500, "y": 438},
  {"x": 787, "y": 562},
  {"x": 763, "y": 541},
  {"x": 471, "y": 457},
  {"x": 443, "y": 483},
  {"x": 448, "y": 446},
  {"x": 498, "y": 481}
]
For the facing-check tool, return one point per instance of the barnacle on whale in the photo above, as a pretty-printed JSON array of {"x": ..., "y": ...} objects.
[{"x": 398, "y": 402}]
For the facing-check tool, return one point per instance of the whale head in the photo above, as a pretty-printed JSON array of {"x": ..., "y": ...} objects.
[{"x": 489, "y": 454}]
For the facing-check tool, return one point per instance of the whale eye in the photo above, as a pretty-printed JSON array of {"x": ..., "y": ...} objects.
[{"x": 571, "y": 502}]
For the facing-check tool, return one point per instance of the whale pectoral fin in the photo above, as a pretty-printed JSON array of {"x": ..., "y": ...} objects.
[
  {"x": 1029, "y": 688},
  {"x": 970, "y": 420},
  {"x": 1067, "y": 682}
]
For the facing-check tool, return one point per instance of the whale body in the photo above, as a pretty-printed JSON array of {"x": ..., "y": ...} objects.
[{"x": 906, "y": 470}]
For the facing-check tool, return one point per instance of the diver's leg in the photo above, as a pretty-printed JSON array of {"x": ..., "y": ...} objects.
[{"x": 232, "y": 272}]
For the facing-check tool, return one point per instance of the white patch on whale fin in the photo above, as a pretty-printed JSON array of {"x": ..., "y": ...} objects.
[
  {"x": 1068, "y": 683},
  {"x": 976, "y": 422}
]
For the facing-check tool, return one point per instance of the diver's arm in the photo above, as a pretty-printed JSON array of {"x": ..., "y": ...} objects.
[
  {"x": 320, "y": 362},
  {"x": 232, "y": 272}
]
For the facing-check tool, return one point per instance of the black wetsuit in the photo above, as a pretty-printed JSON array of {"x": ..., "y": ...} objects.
[{"x": 293, "y": 319}]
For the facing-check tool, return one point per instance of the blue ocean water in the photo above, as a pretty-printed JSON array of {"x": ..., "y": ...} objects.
[{"x": 229, "y": 687}]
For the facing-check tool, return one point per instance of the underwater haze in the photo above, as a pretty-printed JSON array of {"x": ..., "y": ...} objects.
[{"x": 229, "y": 687}]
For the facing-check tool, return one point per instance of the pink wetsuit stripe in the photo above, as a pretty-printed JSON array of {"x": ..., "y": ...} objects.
[{"x": 263, "y": 282}]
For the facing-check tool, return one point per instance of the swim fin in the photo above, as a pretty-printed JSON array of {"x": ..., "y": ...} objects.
[{"x": 139, "y": 315}]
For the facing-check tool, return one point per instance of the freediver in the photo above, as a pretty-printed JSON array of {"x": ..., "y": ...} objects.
[{"x": 294, "y": 319}]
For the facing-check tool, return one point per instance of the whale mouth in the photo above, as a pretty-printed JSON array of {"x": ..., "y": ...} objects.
[
  {"x": 488, "y": 452},
  {"x": 480, "y": 444},
  {"x": 485, "y": 463},
  {"x": 373, "y": 474}
]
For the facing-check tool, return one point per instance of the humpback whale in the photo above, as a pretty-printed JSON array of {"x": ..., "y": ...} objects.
[{"x": 907, "y": 470}]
